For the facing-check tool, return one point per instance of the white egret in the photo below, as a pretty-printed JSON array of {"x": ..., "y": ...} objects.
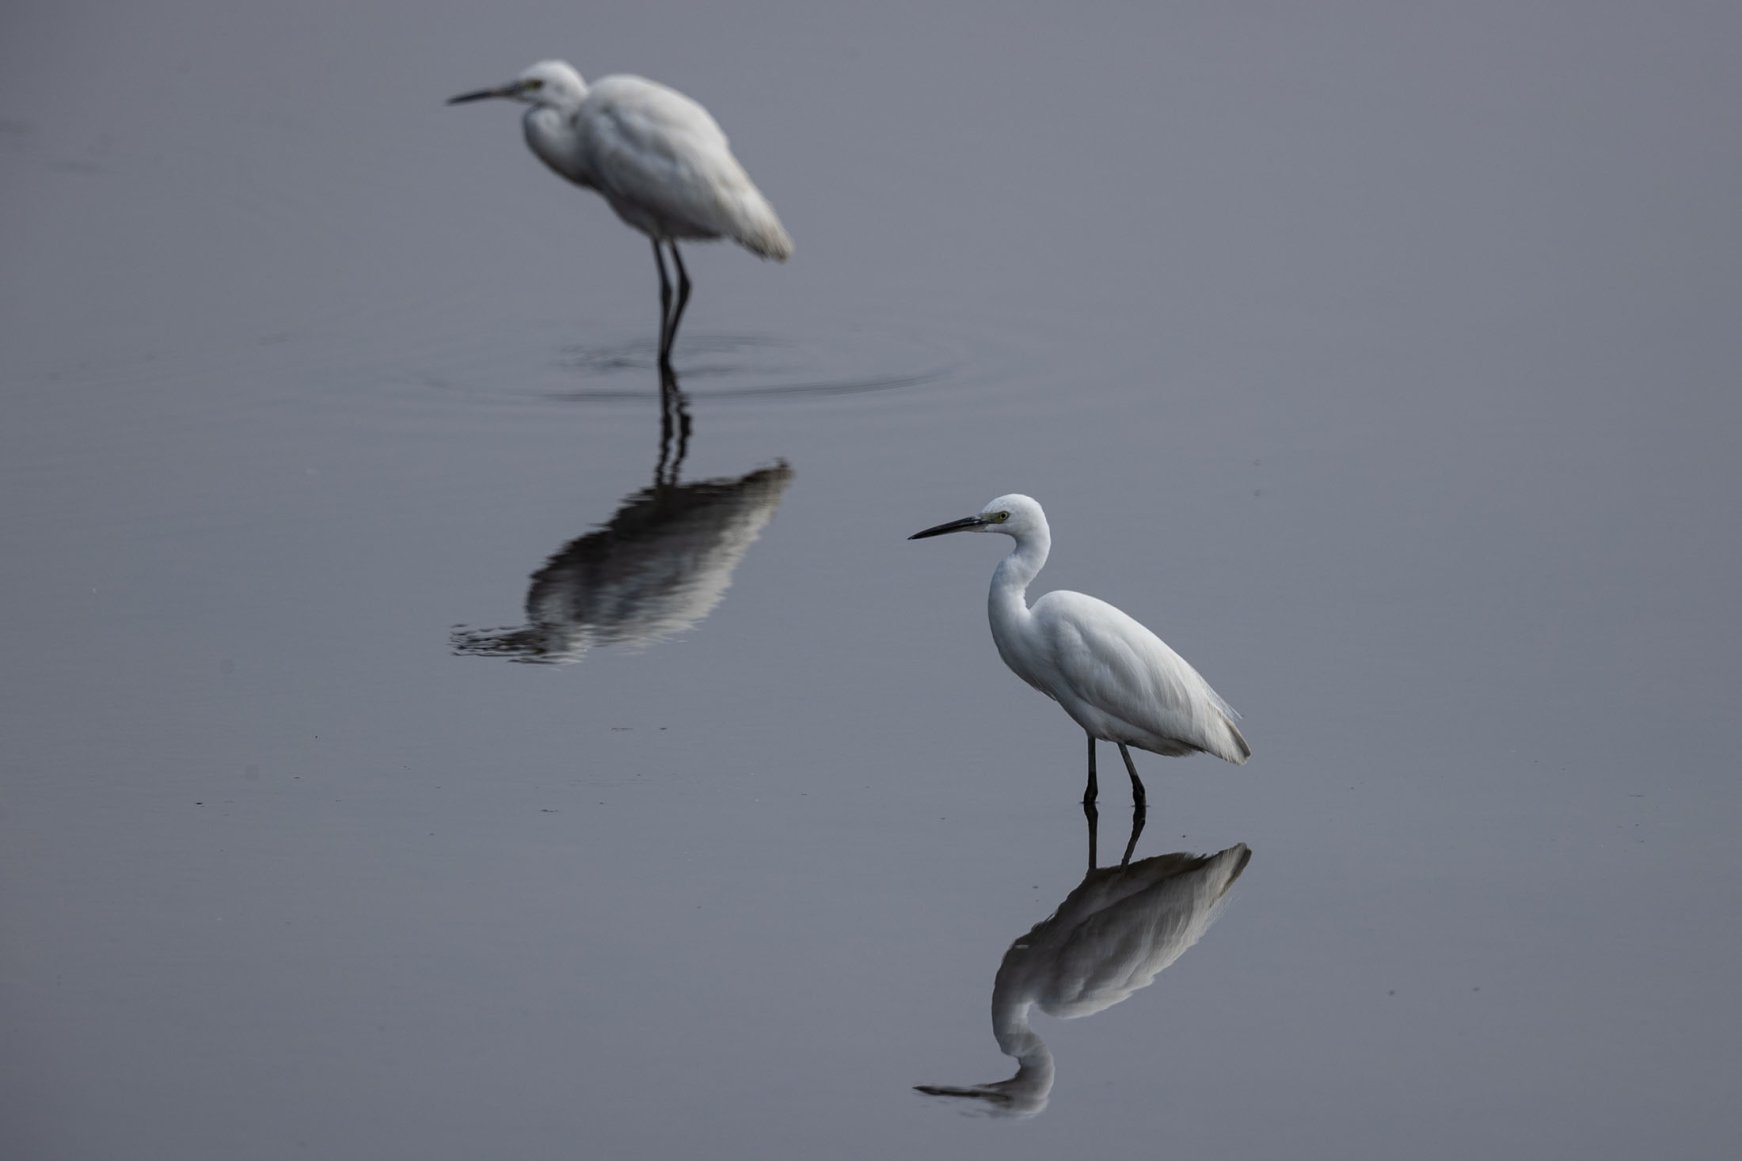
[
  {"x": 655, "y": 155},
  {"x": 1116, "y": 679}
]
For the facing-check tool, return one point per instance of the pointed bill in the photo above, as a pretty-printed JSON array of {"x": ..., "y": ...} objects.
[
  {"x": 506, "y": 91},
  {"x": 963, "y": 525}
]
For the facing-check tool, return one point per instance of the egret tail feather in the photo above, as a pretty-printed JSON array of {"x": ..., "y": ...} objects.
[{"x": 1240, "y": 745}]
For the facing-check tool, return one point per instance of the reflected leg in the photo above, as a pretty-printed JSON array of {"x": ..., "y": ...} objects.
[
  {"x": 1091, "y": 791},
  {"x": 1094, "y": 817},
  {"x": 674, "y": 416},
  {"x": 1139, "y": 814},
  {"x": 683, "y": 427},
  {"x": 1138, "y": 798}
]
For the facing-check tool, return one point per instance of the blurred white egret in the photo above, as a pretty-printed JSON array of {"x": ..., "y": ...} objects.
[
  {"x": 1114, "y": 677},
  {"x": 655, "y": 155}
]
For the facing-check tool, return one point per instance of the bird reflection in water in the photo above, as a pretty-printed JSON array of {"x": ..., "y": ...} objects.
[
  {"x": 659, "y": 566},
  {"x": 1112, "y": 935}
]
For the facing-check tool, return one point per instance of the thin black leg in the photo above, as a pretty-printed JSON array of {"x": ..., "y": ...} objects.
[
  {"x": 664, "y": 305},
  {"x": 683, "y": 297},
  {"x": 1138, "y": 798},
  {"x": 1091, "y": 791}
]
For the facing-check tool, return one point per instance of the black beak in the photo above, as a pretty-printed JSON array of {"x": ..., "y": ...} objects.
[
  {"x": 482, "y": 95},
  {"x": 961, "y": 525}
]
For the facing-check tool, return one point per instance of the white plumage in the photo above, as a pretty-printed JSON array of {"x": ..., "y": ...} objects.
[
  {"x": 655, "y": 155},
  {"x": 1116, "y": 679}
]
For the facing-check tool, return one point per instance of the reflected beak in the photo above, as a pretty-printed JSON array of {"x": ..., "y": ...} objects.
[
  {"x": 962, "y": 525},
  {"x": 506, "y": 91},
  {"x": 984, "y": 1092}
]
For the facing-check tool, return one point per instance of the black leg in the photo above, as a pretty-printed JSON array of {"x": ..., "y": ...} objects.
[
  {"x": 1138, "y": 798},
  {"x": 683, "y": 296},
  {"x": 664, "y": 305},
  {"x": 1091, "y": 791}
]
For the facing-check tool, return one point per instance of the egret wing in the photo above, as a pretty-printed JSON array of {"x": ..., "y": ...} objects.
[
  {"x": 1117, "y": 668},
  {"x": 666, "y": 167}
]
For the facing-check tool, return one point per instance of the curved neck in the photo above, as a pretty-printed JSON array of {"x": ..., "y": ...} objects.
[
  {"x": 1010, "y": 579},
  {"x": 550, "y": 133},
  {"x": 1011, "y": 1029},
  {"x": 1029, "y": 1088}
]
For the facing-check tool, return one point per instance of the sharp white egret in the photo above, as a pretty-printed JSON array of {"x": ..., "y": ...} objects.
[
  {"x": 655, "y": 155},
  {"x": 1116, "y": 679},
  {"x": 1113, "y": 934}
]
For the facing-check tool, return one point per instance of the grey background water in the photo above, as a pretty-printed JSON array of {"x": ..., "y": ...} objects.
[{"x": 1383, "y": 357}]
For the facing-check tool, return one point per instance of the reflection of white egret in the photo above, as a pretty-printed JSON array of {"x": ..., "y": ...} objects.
[
  {"x": 1111, "y": 936},
  {"x": 1114, "y": 677},
  {"x": 661, "y": 564},
  {"x": 655, "y": 155}
]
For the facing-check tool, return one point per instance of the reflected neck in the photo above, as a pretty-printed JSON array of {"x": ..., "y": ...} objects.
[
  {"x": 1010, "y": 1027},
  {"x": 1034, "y": 1066}
]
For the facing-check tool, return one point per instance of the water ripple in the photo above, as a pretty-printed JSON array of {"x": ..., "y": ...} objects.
[{"x": 709, "y": 366}]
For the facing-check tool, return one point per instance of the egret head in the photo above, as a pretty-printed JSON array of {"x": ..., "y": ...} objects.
[
  {"x": 1014, "y": 515},
  {"x": 549, "y": 82}
]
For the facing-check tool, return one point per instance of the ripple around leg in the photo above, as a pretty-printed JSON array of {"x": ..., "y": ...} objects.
[
  {"x": 709, "y": 366},
  {"x": 751, "y": 367}
]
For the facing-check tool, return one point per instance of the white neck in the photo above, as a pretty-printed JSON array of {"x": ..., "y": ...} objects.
[
  {"x": 1007, "y": 600},
  {"x": 550, "y": 133}
]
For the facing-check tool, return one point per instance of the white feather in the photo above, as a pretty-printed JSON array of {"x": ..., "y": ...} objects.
[
  {"x": 1117, "y": 680},
  {"x": 1125, "y": 684},
  {"x": 667, "y": 170},
  {"x": 658, "y": 157}
]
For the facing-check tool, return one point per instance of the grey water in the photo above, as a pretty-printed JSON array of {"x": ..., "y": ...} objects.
[{"x": 423, "y": 740}]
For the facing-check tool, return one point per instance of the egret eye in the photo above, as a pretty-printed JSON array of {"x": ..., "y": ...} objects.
[
  {"x": 1000, "y": 517},
  {"x": 534, "y": 83}
]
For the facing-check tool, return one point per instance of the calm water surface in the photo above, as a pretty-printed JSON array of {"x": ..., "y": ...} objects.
[{"x": 1385, "y": 361}]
